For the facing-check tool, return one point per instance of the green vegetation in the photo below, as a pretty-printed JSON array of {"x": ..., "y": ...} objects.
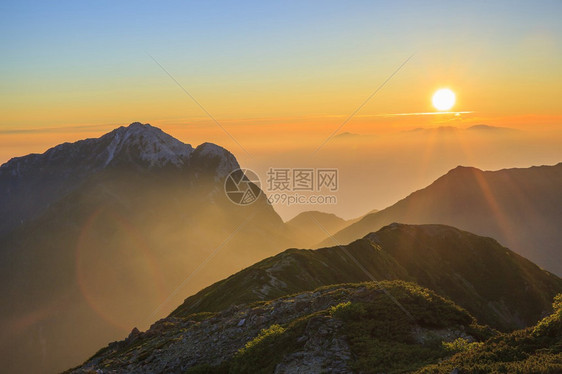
[
  {"x": 265, "y": 335},
  {"x": 383, "y": 338},
  {"x": 348, "y": 311},
  {"x": 299, "y": 270},
  {"x": 534, "y": 350},
  {"x": 497, "y": 286},
  {"x": 551, "y": 326},
  {"x": 198, "y": 317},
  {"x": 390, "y": 327},
  {"x": 263, "y": 353},
  {"x": 460, "y": 345}
]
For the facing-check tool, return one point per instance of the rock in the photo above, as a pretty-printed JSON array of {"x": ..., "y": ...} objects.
[
  {"x": 176, "y": 345},
  {"x": 134, "y": 333}
]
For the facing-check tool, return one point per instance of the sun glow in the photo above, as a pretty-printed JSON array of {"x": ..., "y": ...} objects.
[{"x": 443, "y": 99}]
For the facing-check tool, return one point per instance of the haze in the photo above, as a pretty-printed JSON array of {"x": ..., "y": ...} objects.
[
  {"x": 314, "y": 84},
  {"x": 280, "y": 78}
]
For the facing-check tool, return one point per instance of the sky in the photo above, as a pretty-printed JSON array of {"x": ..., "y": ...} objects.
[{"x": 281, "y": 77}]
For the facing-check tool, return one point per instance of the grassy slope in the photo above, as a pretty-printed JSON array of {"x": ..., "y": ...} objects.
[
  {"x": 496, "y": 285},
  {"x": 536, "y": 349},
  {"x": 381, "y": 337},
  {"x": 439, "y": 337}
]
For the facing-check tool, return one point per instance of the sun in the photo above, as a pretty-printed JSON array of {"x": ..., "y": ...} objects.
[{"x": 443, "y": 99}]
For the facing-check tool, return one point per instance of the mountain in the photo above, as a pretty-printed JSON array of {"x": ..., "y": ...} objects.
[
  {"x": 313, "y": 310},
  {"x": 30, "y": 184},
  {"x": 521, "y": 208},
  {"x": 490, "y": 129},
  {"x": 346, "y": 328},
  {"x": 349, "y": 137},
  {"x": 305, "y": 220},
  {"x": 497, "y": 286},
  {"x": 311, "y": 226},
  {"x": 342, "y": 328},
  {"x": 309, "y": 310},
  {"x": 105, "y": 234}
]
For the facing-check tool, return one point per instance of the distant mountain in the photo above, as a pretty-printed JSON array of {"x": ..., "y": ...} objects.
[
  {"x": 311, "y": 226},
  {"x": 347, "y": 135},
  {"x": 499, "y": 287},
  {"x": 264, "y": 320},
  {"x": 336, "y": 329},
  {"x": 105, "y": 234},
  {"x": 521, "y": 208},
  {"x": 488, "y": 128}
]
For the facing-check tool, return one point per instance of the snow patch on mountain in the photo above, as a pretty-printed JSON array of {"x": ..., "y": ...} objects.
[
  {"x": 32, "y": 183},
  {"x": 152, "y": 144},
  {"x": 136, "y": 143}
]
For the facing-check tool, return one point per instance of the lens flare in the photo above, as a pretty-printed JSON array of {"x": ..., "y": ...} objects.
[{"x": 117, "y": 274}]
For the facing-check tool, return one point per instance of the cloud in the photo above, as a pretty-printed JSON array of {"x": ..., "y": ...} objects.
[
  {"x": 424, "y": 114},
  {"x": 59, "y": 129}
]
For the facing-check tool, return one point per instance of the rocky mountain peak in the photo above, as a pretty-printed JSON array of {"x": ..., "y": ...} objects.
[
  {"x": 210, "y": 157},
  {"x": 145, "y": 143},
  {"x": 30, "y": 184}
]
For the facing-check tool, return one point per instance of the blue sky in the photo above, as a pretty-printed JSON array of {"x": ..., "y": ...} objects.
[
  {"x": 62, "y": 55},
  {"x": 56, "y": 36}
]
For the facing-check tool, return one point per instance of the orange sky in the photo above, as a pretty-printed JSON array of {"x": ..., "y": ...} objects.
[{"x": 281, "y": 78}]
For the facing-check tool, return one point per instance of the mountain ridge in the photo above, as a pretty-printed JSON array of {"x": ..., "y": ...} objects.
[
  {"x": 348, "y": 328},
  {"x": 29, "y": 184},
  {"x": 520, "y": 207},
  {"x": 464, "y": 275},
  {"x": 304, "y": 332}
]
